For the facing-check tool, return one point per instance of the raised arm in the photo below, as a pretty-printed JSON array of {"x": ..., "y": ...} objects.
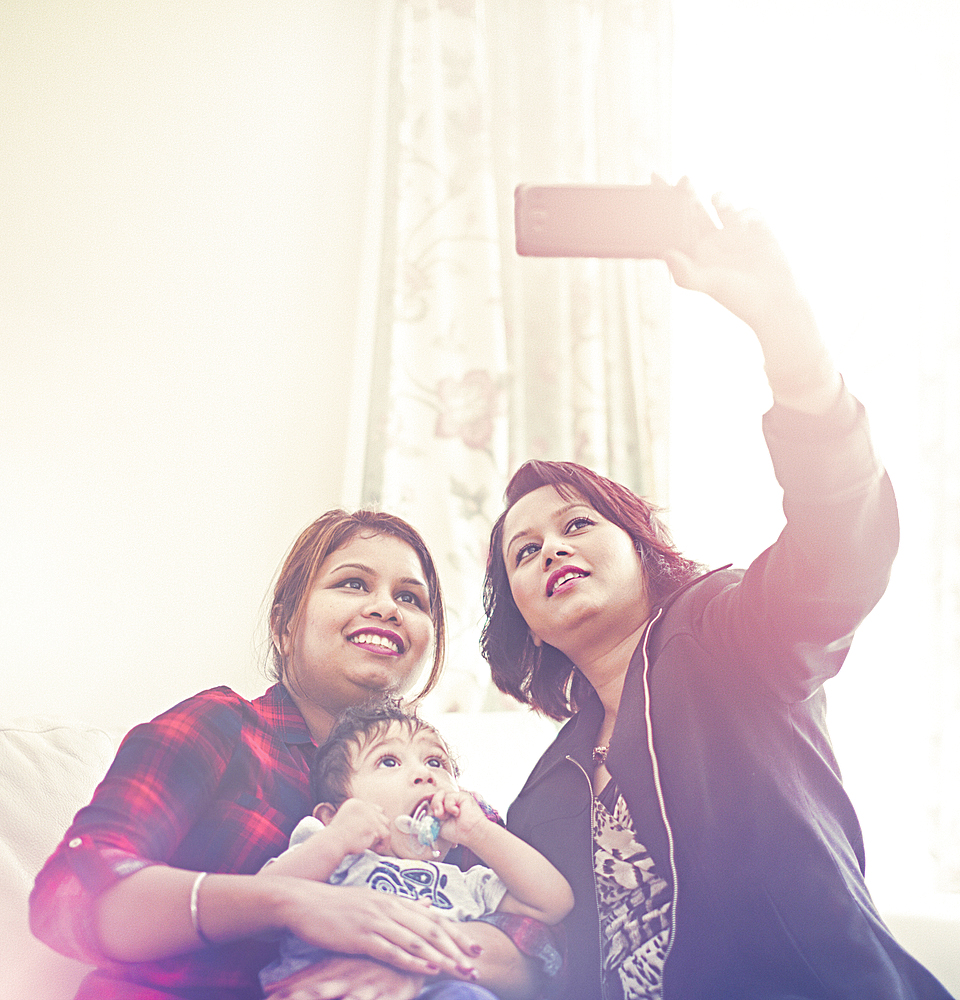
[
  {"x": 534, "y": 886},
  {"x": 795, "y": 611}
]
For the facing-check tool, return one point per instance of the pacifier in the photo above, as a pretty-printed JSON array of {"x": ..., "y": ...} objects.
[{"x": 424, "y": 829}]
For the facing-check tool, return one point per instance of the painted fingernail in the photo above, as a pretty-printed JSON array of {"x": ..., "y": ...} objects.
[{"x": 476, "y": 949}]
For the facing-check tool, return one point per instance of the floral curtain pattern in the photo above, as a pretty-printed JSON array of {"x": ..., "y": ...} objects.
[{"x": 480, "y": 359}]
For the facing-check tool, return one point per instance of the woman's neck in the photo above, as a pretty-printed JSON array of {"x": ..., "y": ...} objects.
[
  {"x": 318, "y": 720},
  {"x": 606, "y": 677},
  {"x": 607, "y": 667}
]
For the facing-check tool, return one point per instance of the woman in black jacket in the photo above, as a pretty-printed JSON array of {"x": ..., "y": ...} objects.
[{"x": 693, "y": 800}]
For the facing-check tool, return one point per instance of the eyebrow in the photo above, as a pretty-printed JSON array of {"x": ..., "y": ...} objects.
[
  {"x": 376, "y": 745},
  {"x": 557, "y": 513},
  {"x": 410, "y": 580},
  {"x": 391, "y": 742}
]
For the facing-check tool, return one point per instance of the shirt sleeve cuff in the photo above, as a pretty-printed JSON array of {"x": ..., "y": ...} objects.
[
  {"x": 544, "y": 944},
  {"x": 95, "y": 869},
  {"x": 840, "y": 418},
  {"x": 823, "y": 457}
]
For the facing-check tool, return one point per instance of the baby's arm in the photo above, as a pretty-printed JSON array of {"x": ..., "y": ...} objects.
[
  {"x": 355, "y": 827},
  {"x": 534, "y": 887}
]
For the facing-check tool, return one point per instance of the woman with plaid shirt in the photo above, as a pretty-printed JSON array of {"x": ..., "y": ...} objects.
[{"x": 216, "y": 785}]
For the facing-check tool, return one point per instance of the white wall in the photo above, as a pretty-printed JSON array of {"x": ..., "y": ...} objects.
[{"x": 181, "y": 191}]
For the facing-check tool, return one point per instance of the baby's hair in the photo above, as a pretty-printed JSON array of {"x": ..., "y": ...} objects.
[{"x": 332, "y": 766}]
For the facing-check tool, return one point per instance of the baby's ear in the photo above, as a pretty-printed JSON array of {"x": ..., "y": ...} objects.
[{"x": 325, "y": 812}]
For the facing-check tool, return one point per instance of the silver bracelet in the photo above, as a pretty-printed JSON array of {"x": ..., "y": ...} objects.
[{"x": 194, "y": 913}]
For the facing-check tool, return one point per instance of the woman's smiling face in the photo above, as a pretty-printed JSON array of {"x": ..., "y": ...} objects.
[
  {"x": 365, "y": 629},
  {"x": 575, "y": 576}
]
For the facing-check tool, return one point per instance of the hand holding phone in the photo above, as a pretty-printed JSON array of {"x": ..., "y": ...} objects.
[{"x": 604, "y": 220}]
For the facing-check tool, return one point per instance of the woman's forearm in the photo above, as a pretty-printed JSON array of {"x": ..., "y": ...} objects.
[
  {"x": 798, "y": 365},
  {"x": 535, "y": 887},
  {"x": 148, "y": 915},
  {"x": 502, "y": 967}
]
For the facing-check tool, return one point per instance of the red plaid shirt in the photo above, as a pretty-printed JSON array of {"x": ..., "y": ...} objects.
[{"x": 215, "y": 784}]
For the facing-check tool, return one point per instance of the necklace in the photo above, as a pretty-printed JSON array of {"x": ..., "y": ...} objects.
[{"x": 600, "y": 755}]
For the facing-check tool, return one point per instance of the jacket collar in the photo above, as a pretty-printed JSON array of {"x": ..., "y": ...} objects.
[
  {"x": 578, "y": 736},
  {"x": 674, "y": 594}
]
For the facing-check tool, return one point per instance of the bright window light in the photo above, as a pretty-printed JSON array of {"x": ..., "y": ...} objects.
[{"x": 838, "y": 119}]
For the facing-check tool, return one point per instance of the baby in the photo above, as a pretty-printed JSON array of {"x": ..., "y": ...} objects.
[{"x": 389, "y": 809}]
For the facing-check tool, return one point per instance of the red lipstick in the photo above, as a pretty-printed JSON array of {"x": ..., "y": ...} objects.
[
  {"x": 558, "y": 575},
  {"x": 368, "y": 638}
]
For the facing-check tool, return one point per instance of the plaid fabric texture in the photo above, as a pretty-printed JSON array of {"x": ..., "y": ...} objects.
[{"x": 215, "y": 784}]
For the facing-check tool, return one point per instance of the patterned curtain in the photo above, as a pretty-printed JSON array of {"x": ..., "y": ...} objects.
[{"x": 476, "y": 359}]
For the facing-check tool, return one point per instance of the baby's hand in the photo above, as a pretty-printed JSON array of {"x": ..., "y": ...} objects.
[
  {"x": 359, "y": 825},
  {"x": 459, "y": 814}
]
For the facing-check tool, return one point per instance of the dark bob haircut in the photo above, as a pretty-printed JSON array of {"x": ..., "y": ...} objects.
[
  {"x": 332, "y": 765},
  {"x": 542, "y": 676}
]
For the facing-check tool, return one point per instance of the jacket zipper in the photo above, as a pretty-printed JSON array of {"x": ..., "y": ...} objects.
[
  {"x": 648, "y": 716},
  {"x": 593, "y": 873}
]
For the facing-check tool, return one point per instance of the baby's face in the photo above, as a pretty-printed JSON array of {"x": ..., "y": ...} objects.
[{"x": 398, "y": 770}]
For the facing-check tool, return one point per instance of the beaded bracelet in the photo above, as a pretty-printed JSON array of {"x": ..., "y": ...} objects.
[{"x": 194, "y": 913}]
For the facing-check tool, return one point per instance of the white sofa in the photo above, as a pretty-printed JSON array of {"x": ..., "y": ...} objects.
[{"x": 48, "y": 769}]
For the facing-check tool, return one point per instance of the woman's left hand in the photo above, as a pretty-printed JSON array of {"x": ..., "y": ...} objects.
[
  {"x": 348, "y": 977},
  {"x": 503, "y": 969}
]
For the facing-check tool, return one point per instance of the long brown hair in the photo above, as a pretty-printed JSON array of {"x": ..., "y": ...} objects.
[
  {"x": 328, "y": 533},
  {"x": 542, "y": 676}
]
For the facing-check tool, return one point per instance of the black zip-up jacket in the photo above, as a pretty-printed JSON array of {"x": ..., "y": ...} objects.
[{"x": 722, "y": 754}]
